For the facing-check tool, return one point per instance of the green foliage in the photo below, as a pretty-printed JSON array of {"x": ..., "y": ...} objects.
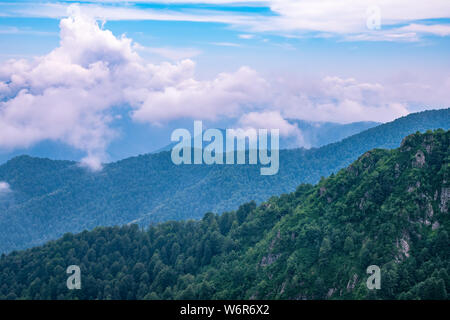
[
  {"x": 51, "y": 198},
  {"x": 389, "y": 208}
]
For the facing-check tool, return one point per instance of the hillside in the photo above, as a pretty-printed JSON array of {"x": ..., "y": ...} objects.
[
  {"x": 49, "y": 198},
  {"x": 388, "y": 208}
]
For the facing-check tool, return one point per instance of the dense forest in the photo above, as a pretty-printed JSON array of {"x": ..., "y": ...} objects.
[
  {"x": 49, "y": 198},
  {"x": 388, "y": 208}
]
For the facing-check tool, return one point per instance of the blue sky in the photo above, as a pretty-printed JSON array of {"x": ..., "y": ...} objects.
[
  {"x": 165, "y": 63},
  {"x": 29, "y": 28}
]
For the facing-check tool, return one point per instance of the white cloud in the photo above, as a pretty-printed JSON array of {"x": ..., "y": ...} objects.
[
  {"x": 409, "y": 33},
  {"x": 269, "y": 120},
  {"x": 4, "y": 187},
  {"x": 246, "y": 36},
  {"x": 66, "y": 95},
  {"x": 72, "y": 93},
  {"x": 337, "y": 100},
  {"x": 349, "y": 16},
  {"x": 227, "y": 95},
  {"x": 344, "y": 17},
  {"x": 92, "y": 162},
  {"x": 272, "y": 120},
  {"x": 389, "y": 36},
  {"x": 437, "y": 29}
]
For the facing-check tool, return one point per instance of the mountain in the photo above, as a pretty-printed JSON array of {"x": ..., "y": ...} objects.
[
  {"x": 52, "y": 149},
  {"x": 314, "y": 134},
  {"x": 389, "y": 208},
  {"x": 134, "y": 139},
  {"x": 48, "y": 198}
]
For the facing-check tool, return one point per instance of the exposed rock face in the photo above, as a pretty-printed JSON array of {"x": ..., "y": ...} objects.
[
  {"x": 283, "y": 287},
  {"x": 435, "y": 225},
  {"x": 362, "y": 203},
  {"x": 430, "y": 213},
  {"x": 403, "y": 248},
  {"x": 412, "y": 188},
  {"x": 419, "y": 161},
  {"x": 330, "y": 292},
  {"x": 352, "y": 282},
  {"x": 397, "y": 170},
  {"x": 445, "y": 196},
  {"x": 269, "y": 259},
  {"x": 429, "y": 144}
]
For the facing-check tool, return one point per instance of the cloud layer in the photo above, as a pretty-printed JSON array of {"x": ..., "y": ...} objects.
[{"x": 73, "y": 93}]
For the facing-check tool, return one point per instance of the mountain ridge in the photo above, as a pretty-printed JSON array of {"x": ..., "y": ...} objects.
[
  {"x": 51, "y": 198},
  {"x": 389, "y": 208},
  {"x": 131, "y": 142}
]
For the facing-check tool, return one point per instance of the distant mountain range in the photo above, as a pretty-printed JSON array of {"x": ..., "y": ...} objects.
[
  {"x": 48, "y": 198},
  {"x": 314, "y": 134},
  {"x": 387, "y": 210},
  {"x": 135, "y": 140}
]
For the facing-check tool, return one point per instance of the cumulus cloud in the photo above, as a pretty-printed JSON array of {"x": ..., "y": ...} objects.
[
  {"x": 337, "y": 99},
  {"x": 4, "y": 187},
  {"x": 71, "y": 93},
  {"x": 66, "y": 94},
  {"x": 227, "y": 95}
]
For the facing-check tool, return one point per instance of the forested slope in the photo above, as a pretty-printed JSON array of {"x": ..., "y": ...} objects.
[
  {"x": 49, "y": 198},
  {"x": 388, "y": 208}
]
